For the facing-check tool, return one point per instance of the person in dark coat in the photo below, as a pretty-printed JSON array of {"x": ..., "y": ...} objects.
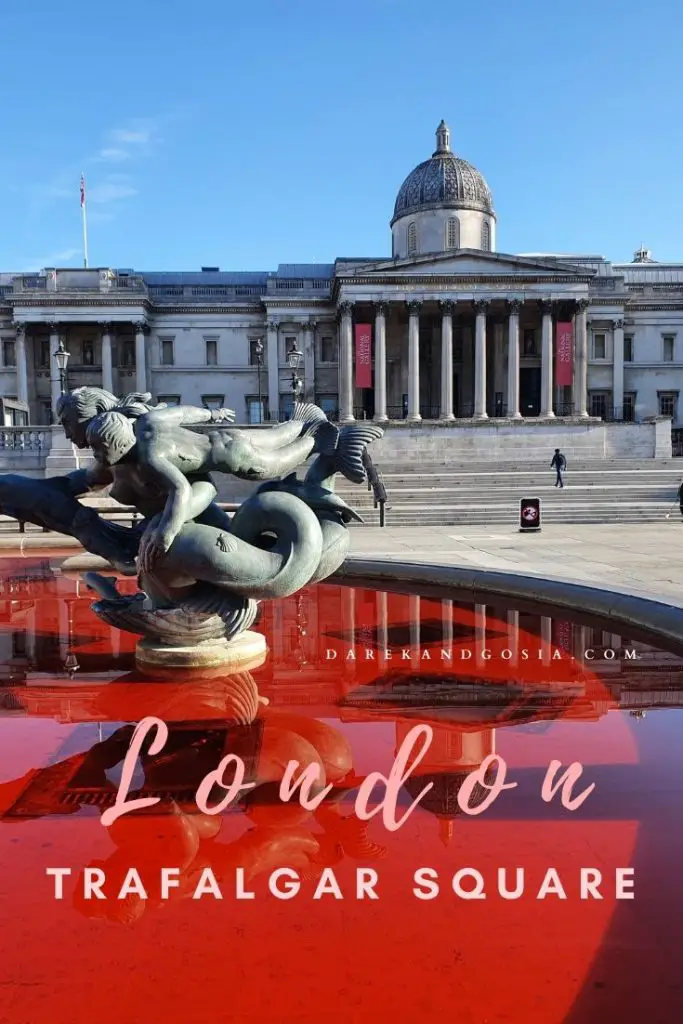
[{"x": 559, "y": 464}]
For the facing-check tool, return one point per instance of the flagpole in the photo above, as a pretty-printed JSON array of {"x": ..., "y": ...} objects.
[{"x": 85, "y": 223}]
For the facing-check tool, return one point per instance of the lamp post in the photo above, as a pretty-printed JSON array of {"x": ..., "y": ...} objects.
[
  {"x": 62, "y": 358},
  {"x": 258, "y": 350},
  {"x": 294, "y": 358}
]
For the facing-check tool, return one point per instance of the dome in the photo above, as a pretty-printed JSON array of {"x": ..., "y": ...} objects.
[{"x": 445, "y": 180}]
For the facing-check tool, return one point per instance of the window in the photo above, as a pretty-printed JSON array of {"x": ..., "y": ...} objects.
[
  {"x": 452, "y": 233},
  {"x": 486, "y": 236},
  {"x": 166, "y": 351},
  {"x": 213, "y": 401},
  {"x": 412, "y": 239},
  {"x": 529, "y": 347},
  {"x": 629, "y": 412},
  {"x": 599, "y": 346},
  {"x": 668, "y": 404},
  {"x": 88, "y": 353},
  {"x": 211, "y": 351},
  {"x": 168, "y": 399},
  {"x": 127, "y": 352},
  {"x": 256, "y": 355},
  {"x": 43, "y": 352},
  {"x": 19, "y": 649},
  {"x": 328, "y": 350},
  {"x": 290, "y": 345},
  {"x": 668, "y": 348},
  {"x": 599, "y": 403},
  {"x": 257, "y": 409},
  {"x": 286, "y": 405},
  {"x": 628, "y": 348},
  {"x": 329, "y": 405},
  {"x": 9, "y": 355}
]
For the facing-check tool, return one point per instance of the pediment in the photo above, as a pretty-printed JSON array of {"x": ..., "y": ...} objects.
[{"x": 467, "y": 262}]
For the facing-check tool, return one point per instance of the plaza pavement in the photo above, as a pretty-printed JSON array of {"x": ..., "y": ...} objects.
[{"x": 646, "y": 560}]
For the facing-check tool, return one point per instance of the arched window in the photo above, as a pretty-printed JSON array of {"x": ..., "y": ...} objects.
[
  {"x": 486, "y": 236},
  {"x": 453, "y": 233},
  {"x": 412, "y": 239}
]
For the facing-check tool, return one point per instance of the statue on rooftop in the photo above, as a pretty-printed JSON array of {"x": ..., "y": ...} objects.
[{"x": 201, "y": 572}]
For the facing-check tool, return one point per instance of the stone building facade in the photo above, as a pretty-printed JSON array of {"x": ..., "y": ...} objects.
[{"x": 460, "y": 333}]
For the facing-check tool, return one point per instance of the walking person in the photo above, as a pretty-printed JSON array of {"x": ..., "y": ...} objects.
[{"x": 559, "y": 464}]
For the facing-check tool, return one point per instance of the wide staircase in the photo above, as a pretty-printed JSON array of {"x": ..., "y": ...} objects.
[{"x": 471, "y": 494}]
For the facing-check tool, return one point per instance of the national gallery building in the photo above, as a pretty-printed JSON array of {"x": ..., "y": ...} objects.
[{"x": 444, "y": 330}]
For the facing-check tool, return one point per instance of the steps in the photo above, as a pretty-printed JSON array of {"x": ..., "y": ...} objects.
[{"x": 605, "y": 491}]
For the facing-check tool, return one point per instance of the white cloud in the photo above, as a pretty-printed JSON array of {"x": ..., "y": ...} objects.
[
  {"x": 109, "y": 191},
  {"x": 53, "y": 259},
  {"x": 113, "y": 154}
]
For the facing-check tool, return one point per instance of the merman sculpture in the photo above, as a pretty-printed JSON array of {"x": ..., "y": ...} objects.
[{"x": 201, "y": 573}]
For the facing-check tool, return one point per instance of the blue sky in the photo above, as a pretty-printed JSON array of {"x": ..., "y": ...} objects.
[{"x": 245, "y": 135}]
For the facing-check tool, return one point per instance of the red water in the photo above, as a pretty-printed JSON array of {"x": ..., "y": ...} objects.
[{"x": 70, "y": 687}]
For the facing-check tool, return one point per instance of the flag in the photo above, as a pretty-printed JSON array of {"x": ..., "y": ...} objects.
[{"x": 82, "y": 190}]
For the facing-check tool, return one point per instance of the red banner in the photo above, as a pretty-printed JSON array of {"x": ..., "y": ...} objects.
[
  {"x": 363, "y": 356},
  {"x": 564, "y": 348}
]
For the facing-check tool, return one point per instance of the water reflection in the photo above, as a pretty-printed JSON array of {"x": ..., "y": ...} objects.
[{"x": 348, "y": 674}]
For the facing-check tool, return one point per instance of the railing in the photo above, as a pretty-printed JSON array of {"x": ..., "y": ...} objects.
[{"x": 29, "y": 439}]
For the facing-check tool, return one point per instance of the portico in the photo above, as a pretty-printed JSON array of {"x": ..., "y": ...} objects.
[
  {"x": 469, "y": 349},
  {"x": 106, "y": 353}
]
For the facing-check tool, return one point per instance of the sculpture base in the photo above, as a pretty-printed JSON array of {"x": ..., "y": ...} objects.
[{"x": 245, "y": 651}]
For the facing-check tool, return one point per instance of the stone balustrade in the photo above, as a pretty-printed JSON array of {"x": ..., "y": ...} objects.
[{"x": 33, "y": 440}]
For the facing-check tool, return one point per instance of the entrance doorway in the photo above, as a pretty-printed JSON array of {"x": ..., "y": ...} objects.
[{"x": 530, "y": 390}]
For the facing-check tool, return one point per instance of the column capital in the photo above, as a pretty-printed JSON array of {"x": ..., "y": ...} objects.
[
  {"x": 272, "y": 325},
  {"x": 141, "y": 327},
  {"x": 481, "y": 306},
  {"x": 345, "y": 309},
  {"x": 447, "y": 307},
  {"x": 309, "y": 325},
  {"x": 618, "y": 325},
  {"x": 381, "y": 308},
  {"x": 514, "y": 306},
  {"x": 414, "y": 306},
  {"x": 19, "y": 327},
  {"x": 582, "y": 305},
  {"x": 54, "y": 328},
  {"x": 106, "y": 326},
  {"x": 546, "y": 306}
]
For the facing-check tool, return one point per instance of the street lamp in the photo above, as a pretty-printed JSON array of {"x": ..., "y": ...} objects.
[
  {"x": 258, "y": 351},
  {"x": 294, "y": 357},
  {"x": 62, "y": 357}
]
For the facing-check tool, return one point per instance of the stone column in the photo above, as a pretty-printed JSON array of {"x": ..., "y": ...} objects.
[
  {"x": 381, "y": 362},
  {"x": 141, "y": 330},
  {"x": 346, "y": 363},
  {"x": 414, "y": 361},
  {"x": 22, "y": 368},
  {"x": 273, "y": 363},
  {"x": 481, "y": 308},
  {"x": 107, "y": 365},
  {"x": 513, "y": 635},
  {"x": 546, "y": 639},
  {"x": 547, "y": 360},
  {"x": 514, "y": 307},
  {"x": 580, "y": 398},
  {"x": 55, "y": 381},
  {"x": 498, "y": 357},
  {"x": 446, "y": 411},
  {"x": 309, "y": 361},
  {"x": 480, "y": 633},
  {"x": 415, "y": 623},
  {"x": 618, "y": 369}
]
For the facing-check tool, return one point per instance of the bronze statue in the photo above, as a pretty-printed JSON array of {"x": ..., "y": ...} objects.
[{"x": 201, "y": 572}]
